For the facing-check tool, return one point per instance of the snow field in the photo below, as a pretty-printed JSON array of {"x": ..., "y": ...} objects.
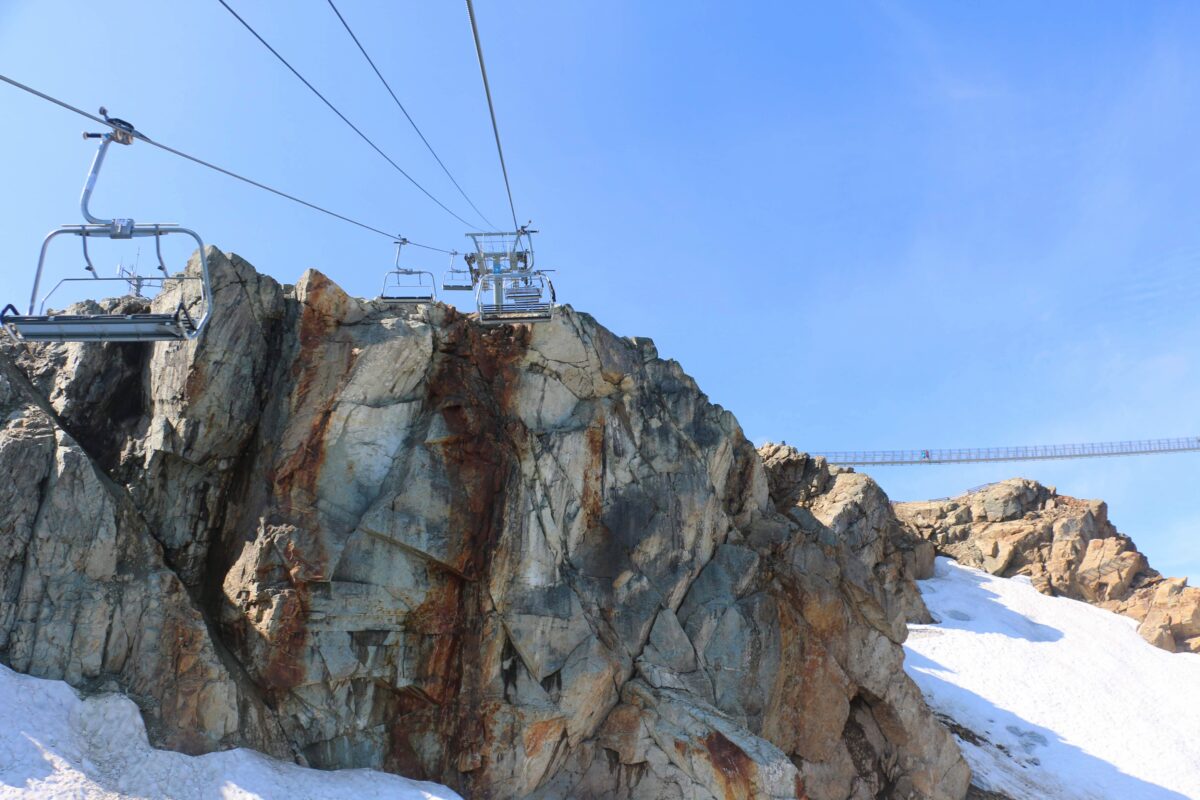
[
  {"x": 1067, "y": 701},
  {"x": 54, "y": 746}
]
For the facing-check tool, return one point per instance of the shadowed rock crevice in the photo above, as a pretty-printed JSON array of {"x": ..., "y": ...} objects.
[{"x": 101, "y": 410}]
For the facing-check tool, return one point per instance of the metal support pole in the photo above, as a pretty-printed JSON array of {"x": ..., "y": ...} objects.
[
  {"x": 498, "y": 285},
  {"x": 90, "y": 183}
]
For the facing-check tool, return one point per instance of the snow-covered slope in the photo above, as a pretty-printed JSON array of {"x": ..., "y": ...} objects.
[
  {"x": 1053, "y": 698},
  {"x": 55, "y": 745}
]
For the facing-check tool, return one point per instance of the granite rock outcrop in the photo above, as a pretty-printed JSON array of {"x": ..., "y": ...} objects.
[
  {"x": 1067, "y": 547},
  {"x": 521, "y": 561}
]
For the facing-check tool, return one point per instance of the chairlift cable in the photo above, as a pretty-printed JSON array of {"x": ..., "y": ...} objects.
[
  {"x": 492, "y": 110},
  {"x": 407, "y": 116},
  {"x": 342, "y": 116},
  {"x": 143, "y": 137},
  {"x": 427, "y": 247}
]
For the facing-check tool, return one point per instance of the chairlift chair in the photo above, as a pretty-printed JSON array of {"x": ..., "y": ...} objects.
[
  {"x": 403, "y": 286},
  {"x": 457, "y": 279},
  {"x": 180, "y": 324},
  {"x": 508, "y": 289},
  {"x": 514, "y": 298}
]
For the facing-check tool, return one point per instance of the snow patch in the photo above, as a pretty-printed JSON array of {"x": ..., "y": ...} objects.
[
  {"x": 1053, "y": 698},
  {"x": 55, "y": 745}
]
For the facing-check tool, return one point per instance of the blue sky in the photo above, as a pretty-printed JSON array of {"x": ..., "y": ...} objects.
[{"x": 858, "y": 225}]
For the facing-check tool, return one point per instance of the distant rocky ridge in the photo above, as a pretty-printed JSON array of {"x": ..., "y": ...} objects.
[
  {"x": 524, "y": 562},
  {"x": 1067, "y": 547}
]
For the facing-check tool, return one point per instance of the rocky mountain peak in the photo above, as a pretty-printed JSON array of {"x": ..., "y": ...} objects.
[
  {"x": 522, "y": 561},
  {"x": 1066, "y": 546}
]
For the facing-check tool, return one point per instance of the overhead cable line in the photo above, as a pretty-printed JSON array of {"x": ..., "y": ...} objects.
[
  {"x": 143, "y": 137},
  {"x": 342, "y": 116},
  {"x": 407, "y": 116},
  {"x": 492, "y": 110}
]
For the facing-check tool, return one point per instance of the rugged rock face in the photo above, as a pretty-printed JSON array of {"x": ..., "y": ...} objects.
[
  {"x": 526, "y": 562},
  {"x": 861, "y": 516},
  {"x": 1067, "y": 547}
]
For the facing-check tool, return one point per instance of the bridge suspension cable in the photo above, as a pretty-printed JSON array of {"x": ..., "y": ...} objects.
[
  {"x": 342, "y": 116},
  {"x": 487, "y": 89},
  {"x": 407, "y": 116},
  {"x": 888, "y": 458},
  {"x": 144, "y": 138}
]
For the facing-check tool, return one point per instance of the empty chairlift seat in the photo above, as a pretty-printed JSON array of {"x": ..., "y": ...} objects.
[
  {"x": 99, "y": 327},
  {"x": 403, "y": 286},
  {"x": 190, "y": 294},
  {"x": 457, "y": 279},
  {"x": 407, "y": 286}
]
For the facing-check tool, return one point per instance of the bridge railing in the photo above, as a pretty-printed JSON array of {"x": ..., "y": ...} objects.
[{"x": 1024, "y": 453}]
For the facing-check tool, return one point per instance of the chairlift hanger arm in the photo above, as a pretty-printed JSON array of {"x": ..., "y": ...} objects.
[
  {"x": 207, "y": 164},
  {"x": 120, "y": 228}
]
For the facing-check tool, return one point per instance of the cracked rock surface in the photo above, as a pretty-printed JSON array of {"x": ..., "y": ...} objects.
[{"x": 521, "y": 561}]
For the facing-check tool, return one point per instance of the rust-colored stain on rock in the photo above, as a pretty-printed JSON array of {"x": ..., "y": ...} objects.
[
  {"x": 537, "y": 734},
  {"x": 183, "y": 646},
  {"x": 438, "y": 620},
  {"x": 735, "y": 771},
  {"x": 317, "y": 365},
  {"x": 593, "y": 476},
  {"x": 197, "y": 379},
  {"x": 285, "y": 664},
  {"x": 321, "y": 363},
  {"x": 471, "y": 386}
]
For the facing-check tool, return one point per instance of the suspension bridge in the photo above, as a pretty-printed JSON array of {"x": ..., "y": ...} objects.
[{"x": 1051, "y": 452}]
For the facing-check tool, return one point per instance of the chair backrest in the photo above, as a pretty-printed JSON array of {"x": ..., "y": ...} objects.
[{"x": 408, "y": 285}]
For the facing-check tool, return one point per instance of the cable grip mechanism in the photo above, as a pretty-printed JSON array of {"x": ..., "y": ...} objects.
[{"x": 122, "y": 132}]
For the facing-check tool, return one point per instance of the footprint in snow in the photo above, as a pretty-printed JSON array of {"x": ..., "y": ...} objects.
[
  {"x": 958, "y": 615},
  {"x": 1029, "y": 740}
]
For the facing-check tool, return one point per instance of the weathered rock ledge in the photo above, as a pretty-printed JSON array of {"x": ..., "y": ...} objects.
[
  {"x": 525, "y": 562},
  {"x": 1067, "y": 547}
]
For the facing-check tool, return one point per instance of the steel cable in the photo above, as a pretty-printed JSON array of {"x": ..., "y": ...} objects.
[
  {"x": 144, "y": 138},
  {"x": 340, "y": 115},
  {"x": 492, "y": 110},
  {"x": 407, "y": 116}
]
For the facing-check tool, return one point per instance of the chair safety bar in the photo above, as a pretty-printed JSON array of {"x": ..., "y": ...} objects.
[{"x": 61, "y": 329}]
